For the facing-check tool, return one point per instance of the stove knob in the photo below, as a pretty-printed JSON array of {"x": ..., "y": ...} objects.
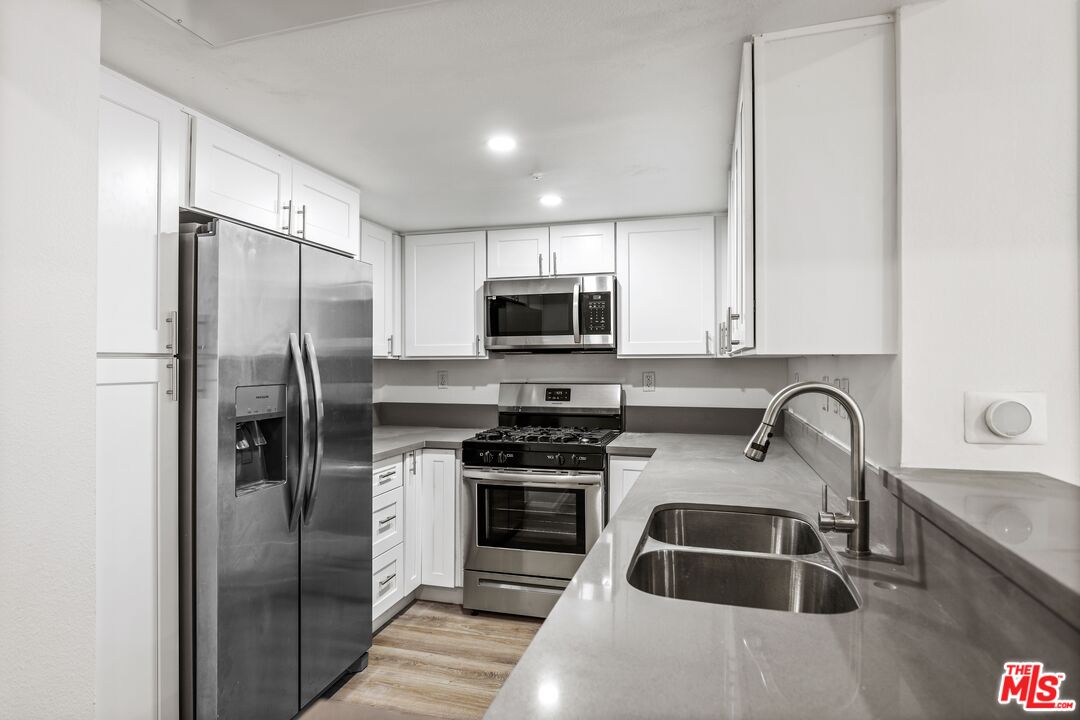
[
  {"x": 486, "y": 456},
  {"x": 502, "y": 458},
  {"x": 560, "y": 459}
]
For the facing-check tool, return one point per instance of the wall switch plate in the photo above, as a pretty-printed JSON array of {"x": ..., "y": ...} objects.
[
  {"x": 796, "y": 377},
  {"x": 648, "y": 381},
  {"x": 442, "y": 379},
  {"x": 977, "y": 432}
]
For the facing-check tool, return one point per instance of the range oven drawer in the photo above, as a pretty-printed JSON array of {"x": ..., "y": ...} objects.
[{"x": 514, "y": 594}]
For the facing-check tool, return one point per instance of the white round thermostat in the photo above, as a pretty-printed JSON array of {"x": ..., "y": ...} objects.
[{"x": 1007, "y": 418}]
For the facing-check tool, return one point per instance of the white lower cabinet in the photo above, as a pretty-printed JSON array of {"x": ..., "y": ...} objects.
[
  {"x": 387, "y": 579},
  {"x": 387, "y": 521},
  {"x": 138, "y": 634},
  {"x": 413, "y": 515},
  {"x": 623, "y": 472},
  {"x": 439, "y": 485}
]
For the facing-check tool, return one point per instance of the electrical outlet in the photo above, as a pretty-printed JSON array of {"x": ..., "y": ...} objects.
[
  {"x": 796, "y": 377},
  {"x": 442, "y": 379},
  {"x": 648, "y": 381},
  {"x": 825, "y": 398}
]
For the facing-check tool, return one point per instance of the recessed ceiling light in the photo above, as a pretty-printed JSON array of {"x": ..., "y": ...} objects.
[
  {"x": 550, "y": 200},
  {"x": 501, "y": 143}
]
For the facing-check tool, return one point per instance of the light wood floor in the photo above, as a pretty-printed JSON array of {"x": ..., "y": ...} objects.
[{"x": 437, "y": 660}]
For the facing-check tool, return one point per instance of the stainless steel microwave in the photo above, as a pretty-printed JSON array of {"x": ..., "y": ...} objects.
[{"x": 556, "y": 313}]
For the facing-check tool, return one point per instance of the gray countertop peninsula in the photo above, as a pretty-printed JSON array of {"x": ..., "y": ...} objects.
[
  {"x": 390, "y": 440},
  {"x": 609, "y": 650}
]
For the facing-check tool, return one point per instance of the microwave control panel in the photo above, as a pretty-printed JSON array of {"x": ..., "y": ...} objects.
[{"x": 596, "y": 313}]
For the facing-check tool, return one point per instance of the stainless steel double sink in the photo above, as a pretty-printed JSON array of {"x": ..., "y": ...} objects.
[{"x": 750, "y": 557}]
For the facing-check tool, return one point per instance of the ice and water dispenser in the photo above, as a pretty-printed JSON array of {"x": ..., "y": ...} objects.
[{"x": 260, "y": 437}]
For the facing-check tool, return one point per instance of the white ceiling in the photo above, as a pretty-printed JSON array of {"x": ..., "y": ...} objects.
[{"x": 625, "y": 106}]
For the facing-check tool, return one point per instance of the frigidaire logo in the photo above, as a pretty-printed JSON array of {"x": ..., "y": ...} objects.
[{"x": 1028, "y": 686}]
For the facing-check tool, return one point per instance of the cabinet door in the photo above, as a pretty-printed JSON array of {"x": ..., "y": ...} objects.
[
  {"x": 413, "y": 521},
  {"x": 444, "y": 278},
  {"x": 583, "y": 249},
  {"x": 138, "y": 615},
  {"x": 377, "y": 248},
  {"x": 667, "y": 285},
  {"x": 825, "y": 209},
  {"x": 739, "y": 317},
  {"x": 141, "y": 136},
  {"x": 519, "y": 252},
  {"x": 324, "y": 210},
  {"x": 387, "y": 520},
  {"x": 237, "y": 177},
  {"x": 438, "y": 480},
  {"x": 623, "y": 472}
]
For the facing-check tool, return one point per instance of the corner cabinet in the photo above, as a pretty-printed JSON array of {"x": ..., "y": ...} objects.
[
  {"x": 667, "y": 286},
  {"x": 235, "y": 176},
  {"x": 444, "y": 279},
  {"x": 824, "y": 211},
  {"x": 382, "y": 249}
]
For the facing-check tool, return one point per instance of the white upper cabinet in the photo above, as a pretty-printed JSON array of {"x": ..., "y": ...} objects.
[
  {"x": 558, "y": 250},
  {"x": 381, "y": 248},
  {"x": 140, "y": 149},
  {"x": 324, "y": 210},
  {"x": 237, "y": 177},
  {"x": 444, "y": 278},
  {"x": 582, "y": 249},
  {"x": 667, "y": 278},
  {"x": 519, "y": 252},
  {"x": 737, "y": 313},
  {"x": 824, "y": 232}
]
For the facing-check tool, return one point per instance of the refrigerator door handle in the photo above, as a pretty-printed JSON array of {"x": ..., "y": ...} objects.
[
  {"x": 320, "y": 426},
  {"x": 305, "y": 422}
]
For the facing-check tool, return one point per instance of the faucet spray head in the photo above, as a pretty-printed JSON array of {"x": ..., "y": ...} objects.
[{"x": 759, "y": 443}]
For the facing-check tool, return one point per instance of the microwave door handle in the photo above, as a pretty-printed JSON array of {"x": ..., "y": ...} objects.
[{"x": 576, "y": 313}]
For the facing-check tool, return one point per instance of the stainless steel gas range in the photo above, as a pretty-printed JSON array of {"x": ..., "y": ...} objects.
[{"x": 536, "y": 492}]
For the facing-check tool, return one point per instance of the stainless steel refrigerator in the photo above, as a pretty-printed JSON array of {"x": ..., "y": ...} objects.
[{"x": 275, "y": 358}]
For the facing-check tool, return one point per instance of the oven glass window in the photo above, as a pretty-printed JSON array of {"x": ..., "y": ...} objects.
[
  {"x": 531, "y": 518},
  {"x": 521, "y": 315}
]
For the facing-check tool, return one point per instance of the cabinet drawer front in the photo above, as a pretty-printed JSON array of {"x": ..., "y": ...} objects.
[
  {"x": 385, "y": 478},
  {"x": 387, "y": 521},
  {"x": 387, "y": 578}
]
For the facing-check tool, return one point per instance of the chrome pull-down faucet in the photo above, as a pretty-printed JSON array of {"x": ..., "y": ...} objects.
[{"x": 856, "y": 521}]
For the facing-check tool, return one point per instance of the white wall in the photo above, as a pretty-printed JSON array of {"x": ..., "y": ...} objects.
[
  {"x": 988, "y": 148},
  {"x": 737, "y": 383},
  {"x": 48, "y": 202},
  {"x": 874, "y": 382}
]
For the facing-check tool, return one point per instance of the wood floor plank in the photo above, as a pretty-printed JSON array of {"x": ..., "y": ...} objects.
[{"x": 435, "y": 660}]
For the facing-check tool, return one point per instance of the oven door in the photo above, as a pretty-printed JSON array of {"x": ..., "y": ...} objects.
[
  {"x": 532, "y": 522},
  {"x": 533, "y": 314}
]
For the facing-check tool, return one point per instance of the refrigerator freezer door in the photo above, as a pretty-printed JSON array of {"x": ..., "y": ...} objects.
[
  {"x": 335, "y": 555},
  {"x": 245, "y": 305}
]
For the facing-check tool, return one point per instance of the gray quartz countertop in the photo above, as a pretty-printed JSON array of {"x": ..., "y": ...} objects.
[
  {"x": 609, "y": 650},
  {"x": 390, "y": 440}
]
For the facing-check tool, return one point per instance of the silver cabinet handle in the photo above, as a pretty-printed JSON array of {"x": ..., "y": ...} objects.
[
  {"x": 170, "y": 322},
  {"x": 305, "y": 421},
  {"x": 303, "y": 226},
  {"x": 540, "y": 264},
  {"x": 389, "y": 346},
  {"x": 387, "y": 519},
  {"x": 554, "y": 263},
  {"x": 287, "y": 227},
  {"x": 478, "y": 346},
  {"x": 387, "y": 474},
  {"x": 708, "y": 339},
  {"x": 387, "y": 579},
  {"x": 320, "y": 426},
  {"x": 171, "y": 390},
  {"x": 413, "y": 468},
  {"x": 575, "y": 312}
]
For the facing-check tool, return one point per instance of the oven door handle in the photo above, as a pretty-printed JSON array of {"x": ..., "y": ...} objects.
[{"x": 534, "y": 479}]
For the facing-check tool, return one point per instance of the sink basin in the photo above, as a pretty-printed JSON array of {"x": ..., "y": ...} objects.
[
  {"x": 758, "y": 581},
  {"x": 730, "y": 529}
]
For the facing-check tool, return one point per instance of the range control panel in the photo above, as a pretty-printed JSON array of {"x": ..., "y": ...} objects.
[{"x": 596, "y": 313}]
